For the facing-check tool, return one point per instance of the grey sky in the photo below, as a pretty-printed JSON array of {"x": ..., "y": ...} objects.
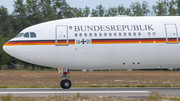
[{"x": 90, "y": 3}]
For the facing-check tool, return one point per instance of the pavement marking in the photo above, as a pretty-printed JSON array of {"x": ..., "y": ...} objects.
[
  {"x": 102, "y": 88},
  {"x": 72, "y": 92},
  {"x": 31, "y": 88}
]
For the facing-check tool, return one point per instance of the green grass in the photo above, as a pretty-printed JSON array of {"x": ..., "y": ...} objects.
[
  {"x": 78, "y": 95},
  {"x": 175, "y": 99},
  {"x": 81, "y": 86},
  {"x": 119, "y": 86},
  {"x": 153, "y": 97},
  {"x": 7, "y": 97},
  {"x": 3, "y": 87}
]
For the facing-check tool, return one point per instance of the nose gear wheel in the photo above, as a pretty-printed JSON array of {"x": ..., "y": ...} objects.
[{"x": 65, "y": 83}]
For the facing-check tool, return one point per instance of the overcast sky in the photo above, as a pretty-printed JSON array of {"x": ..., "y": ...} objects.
[{"x": 90, "y": 3}]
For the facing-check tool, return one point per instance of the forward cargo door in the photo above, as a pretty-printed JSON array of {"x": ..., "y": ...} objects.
[
  {"x": 61, "y": 35},
  {"x": 171, "y": 33}
]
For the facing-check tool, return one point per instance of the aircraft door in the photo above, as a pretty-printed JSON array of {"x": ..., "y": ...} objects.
[
  {"x": 61, "y": 35},
  {"x": 171, "y": 33}
]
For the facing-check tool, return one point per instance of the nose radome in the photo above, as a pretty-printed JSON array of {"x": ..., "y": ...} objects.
[
  {"x": 7, "y": 49},
  {"x": 4, "y": 48},
  {"x": 14, "y": 50}
]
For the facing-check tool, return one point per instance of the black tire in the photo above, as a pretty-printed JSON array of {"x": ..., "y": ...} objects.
[
  {"x": 65, "y": 84},
  {"x": 61, "y": 84}
]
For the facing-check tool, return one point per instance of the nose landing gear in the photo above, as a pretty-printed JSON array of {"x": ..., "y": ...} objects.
[{"x": 65, "y": 83}]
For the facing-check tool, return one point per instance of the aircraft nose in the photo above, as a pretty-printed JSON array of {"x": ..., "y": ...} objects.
[
  {"x": 4, "y": 48},
  {"x": 8, "y": 48}
]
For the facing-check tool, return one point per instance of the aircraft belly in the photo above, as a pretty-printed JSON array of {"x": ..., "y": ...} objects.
[
  {"x": 171, "y": 55},
  {"x": 114, "y": 56}
]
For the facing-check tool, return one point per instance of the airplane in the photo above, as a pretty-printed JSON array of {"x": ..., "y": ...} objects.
[{"x": 100, "y": 43}]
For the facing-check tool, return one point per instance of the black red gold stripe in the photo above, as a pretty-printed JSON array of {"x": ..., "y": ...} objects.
[
  {"x": 128, "y": 41},
  {"x": 64, "y": 42},
  {"x": 38, "y": 42},
  {"x": 93, "y": 41}
]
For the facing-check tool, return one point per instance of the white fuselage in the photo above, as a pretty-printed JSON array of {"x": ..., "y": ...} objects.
[{"x": 101, "y": 43}]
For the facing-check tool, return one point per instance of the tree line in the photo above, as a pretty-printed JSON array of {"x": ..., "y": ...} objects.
[{"x": 37, "y": 11}]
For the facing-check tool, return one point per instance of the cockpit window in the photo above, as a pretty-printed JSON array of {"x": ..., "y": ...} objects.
[
  {"x": 26, "y": 35},
  {"x": 19, "y": 35},
  {"x": 32, "y": 35}
]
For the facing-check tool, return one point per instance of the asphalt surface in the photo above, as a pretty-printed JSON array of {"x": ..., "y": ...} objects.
[{"x": 119, "y": 92}]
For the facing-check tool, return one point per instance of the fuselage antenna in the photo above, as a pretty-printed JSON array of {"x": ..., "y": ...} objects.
[{"x": 89, "y": 15}]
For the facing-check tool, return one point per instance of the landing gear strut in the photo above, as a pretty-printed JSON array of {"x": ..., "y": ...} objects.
[{"x": 65, "y": 83}]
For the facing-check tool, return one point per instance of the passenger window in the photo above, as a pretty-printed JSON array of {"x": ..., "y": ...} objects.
[
  {"x": 105, "y": 34},
  {"x": 85, "y": 34},
  {"x": 124, "y": 34},
  {"x": 134, "y": 34},
  {"x": 139, "y": 34},
  {"x": 154, "y": 33},
  {"x": 95, "y": 34},
  {"x": 100, "y": 34},
  {"x": 80, "y": 35},
  {"x": 76, "y": 34},
  {"x": 110, "y": 34},
  {"x": 149, "y": 33},
  {"x": 114, "y": 34},
  {"x": 90, "y": 34},
  {"x": 26, "y": 35},
  {"x": 19, "y": 35},
  {"x": 129, "y": 33},
  {"x": 119, "y": 34},
  {"x": 32, "y": 35}
]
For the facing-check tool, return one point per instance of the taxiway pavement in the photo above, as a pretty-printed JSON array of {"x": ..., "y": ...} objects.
[{"x": 119, "y": 92}]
